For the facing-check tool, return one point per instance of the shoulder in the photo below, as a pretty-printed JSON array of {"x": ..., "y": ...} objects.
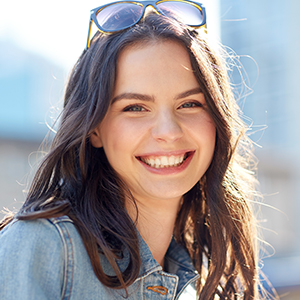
[
  {"x": 35, "y": 256},
  {"x": 31, "y": 233},
  {"x": 39, "y": 241}
]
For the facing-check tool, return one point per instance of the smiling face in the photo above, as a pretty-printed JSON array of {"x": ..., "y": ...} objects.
[{"x": 157, "y": 133}]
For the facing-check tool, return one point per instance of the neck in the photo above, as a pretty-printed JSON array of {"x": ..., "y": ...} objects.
[{"x": 155, "y": 223}]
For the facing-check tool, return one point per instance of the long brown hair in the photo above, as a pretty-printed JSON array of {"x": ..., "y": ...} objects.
[{"x": 75, "y": 179}]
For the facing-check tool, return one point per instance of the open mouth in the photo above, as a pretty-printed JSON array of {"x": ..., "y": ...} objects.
[{"x": 159, "y": 162}]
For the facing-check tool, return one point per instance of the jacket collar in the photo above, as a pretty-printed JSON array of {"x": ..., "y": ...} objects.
[
  {"x": 177, "y": 262},
  {"x": 176, "y": 259}
]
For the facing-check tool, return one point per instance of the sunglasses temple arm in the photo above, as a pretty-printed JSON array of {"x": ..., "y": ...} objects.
[{"x": 88, "y": 42}]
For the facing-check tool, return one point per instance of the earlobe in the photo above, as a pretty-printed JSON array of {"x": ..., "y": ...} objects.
[{"x": 95, "y": 139}]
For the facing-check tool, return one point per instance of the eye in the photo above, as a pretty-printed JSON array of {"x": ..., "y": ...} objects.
[
  {"x": 134, "y": 108},
  {"x": 191, "y": 104}
]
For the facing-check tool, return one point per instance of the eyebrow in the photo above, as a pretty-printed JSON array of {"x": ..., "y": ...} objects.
[
  {"x": 194, "y": 91},
  {"x": 144, "y": 97},
  {"x": 135, "y": 96}
]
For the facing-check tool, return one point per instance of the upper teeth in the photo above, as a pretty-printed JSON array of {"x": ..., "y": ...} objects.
[{"x": 164, "y": 161}]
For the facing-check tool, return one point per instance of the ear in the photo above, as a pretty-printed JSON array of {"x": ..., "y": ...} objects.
[{"x": 96, "y": 139}]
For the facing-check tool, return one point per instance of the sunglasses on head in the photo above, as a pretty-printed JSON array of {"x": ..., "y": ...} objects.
[{"x": 117, "y": 16}]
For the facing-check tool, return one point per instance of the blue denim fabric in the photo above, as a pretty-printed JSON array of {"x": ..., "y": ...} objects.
[{"x": 46, "y": 259}]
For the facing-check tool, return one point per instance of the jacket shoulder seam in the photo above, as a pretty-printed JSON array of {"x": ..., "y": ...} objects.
[{"x": 64, "y": 232}]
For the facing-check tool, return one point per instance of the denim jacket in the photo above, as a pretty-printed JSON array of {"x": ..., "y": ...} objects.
[{"x": 46, "y": 259}]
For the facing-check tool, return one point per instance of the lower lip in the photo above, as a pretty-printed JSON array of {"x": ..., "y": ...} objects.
[{"x": 169, "y": 170}]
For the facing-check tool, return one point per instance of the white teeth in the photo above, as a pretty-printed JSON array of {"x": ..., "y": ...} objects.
[
  {"x": 155, "y": 164},
  {"x": 171, "y": 160},
  {"x": 164, "y": 161}
]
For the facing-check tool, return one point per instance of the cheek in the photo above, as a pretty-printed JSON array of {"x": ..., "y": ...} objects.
[
  {"x": 211, "y": 134},
  {"x": 206, "y": 137},
  {"x": 203, "y": 129},
  {"x": 129, "y": 129},
  {"x": 208, "y": 143},
  {"x": 120, "y": 137}
]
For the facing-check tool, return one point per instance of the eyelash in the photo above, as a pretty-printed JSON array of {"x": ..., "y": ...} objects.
[
  {"x": 140, "y": 108},
  {"x": 194, "y": 103},
  {"x": 132, "y": 107}
]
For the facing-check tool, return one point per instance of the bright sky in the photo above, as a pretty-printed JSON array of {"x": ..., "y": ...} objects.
[{"x": 57, "y": 29}]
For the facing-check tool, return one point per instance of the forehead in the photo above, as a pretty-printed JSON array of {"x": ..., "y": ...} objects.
[
  {"x": 153, "y": 64},
  {"x": 158, "y": 49}
]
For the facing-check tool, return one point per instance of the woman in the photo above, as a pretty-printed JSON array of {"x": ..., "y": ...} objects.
[{"x": 145, "y": 191}]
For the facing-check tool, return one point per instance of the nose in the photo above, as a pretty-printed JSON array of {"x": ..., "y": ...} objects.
[{"x": 167, "y": 127}]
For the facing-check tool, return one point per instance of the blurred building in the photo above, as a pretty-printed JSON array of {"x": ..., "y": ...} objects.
[
  {"x": 268, "y": 32},
  {"x": 30, "y": 90}
]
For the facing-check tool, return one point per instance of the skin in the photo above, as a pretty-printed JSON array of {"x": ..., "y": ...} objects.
[{"x": 157, "y": 111}]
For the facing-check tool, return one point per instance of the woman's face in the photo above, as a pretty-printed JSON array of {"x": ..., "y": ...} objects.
[{"x": 157, "y": 134}]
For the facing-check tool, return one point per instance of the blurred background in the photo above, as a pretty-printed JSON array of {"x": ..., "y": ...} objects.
[{"x": 40, "y": 41}]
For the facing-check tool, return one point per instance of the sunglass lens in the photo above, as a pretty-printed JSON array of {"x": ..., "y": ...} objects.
[
  {"x": 119, "y": 16},
  {"x": 184, "y": 12}
]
